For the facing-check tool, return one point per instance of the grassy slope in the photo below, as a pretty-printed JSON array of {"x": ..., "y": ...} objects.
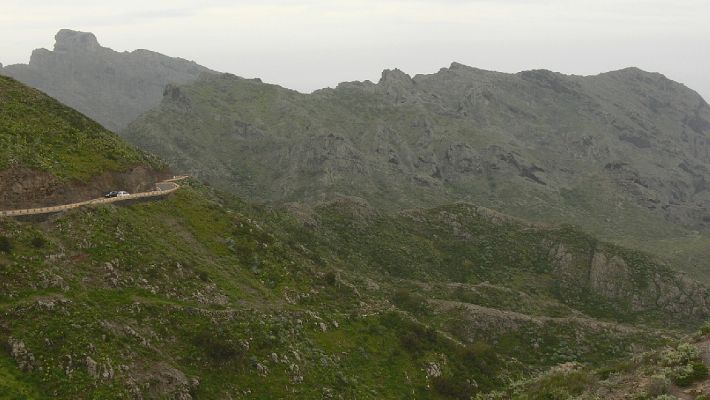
[
  {"x": 149, "y": 309},
  {"x": 218, "y": 289},
  {"x": 38, "y": 132},
  {"x": 13, "y": 385}
]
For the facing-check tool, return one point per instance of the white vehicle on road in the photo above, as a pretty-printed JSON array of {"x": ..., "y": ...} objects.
[{"x": 117, "y": 193}]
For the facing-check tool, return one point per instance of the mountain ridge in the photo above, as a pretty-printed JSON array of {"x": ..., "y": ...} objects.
[
  {"x": 112, "y": 87},
  {"x": 536, "y": 144}
]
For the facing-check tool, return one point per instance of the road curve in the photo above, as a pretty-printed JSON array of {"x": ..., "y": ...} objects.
[{"x": 162, "y": 188}]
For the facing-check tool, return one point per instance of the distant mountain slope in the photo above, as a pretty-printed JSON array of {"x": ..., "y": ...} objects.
[
  {"x": 624, "y": 154},
  {"x": 111, "y": 87},
  {"x": 51, "y": 154}
]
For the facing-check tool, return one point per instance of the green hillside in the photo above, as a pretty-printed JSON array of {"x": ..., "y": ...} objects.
[
  {"x": 51, "y": 154},
  {"x": 202, "y": 295},
  {"x": 38, "y": 132}
]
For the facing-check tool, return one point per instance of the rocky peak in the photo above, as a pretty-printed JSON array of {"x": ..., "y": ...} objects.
[
  {"x": 112, "y": 87},
  {"x": 395, "y": 77},
  {"x": 398, "y": 85},
  {"x": 69, "y": 40}
]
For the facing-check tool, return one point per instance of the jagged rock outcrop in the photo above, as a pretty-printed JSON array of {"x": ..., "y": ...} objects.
[
  {"x": 624, "y": 154},
  {"x": 609, "y": 276},
  {"x": 113, "y": 88}
]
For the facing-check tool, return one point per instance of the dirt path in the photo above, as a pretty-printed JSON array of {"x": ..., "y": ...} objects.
[{"x": 162, "y": 188}]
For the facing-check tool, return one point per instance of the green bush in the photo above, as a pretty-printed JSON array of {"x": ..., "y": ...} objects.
[
  {"x": 688, "y": 374},
  {"x": 454, "y": 386},
  {"x": 204, "y": 276},
  {"x": 480, "y": 356},
  {"x": 705, "y": 329},
  {"x": 330, "y": 278},
  {"x": 220, "y": 348},
  {"x": 413, "y": 337},
  {"x": 657, "y": 385},
  {"x": 412, "y": 302},
  {"x": 38, "y": 242},
  {"x": 560, "y": 385},
  {"x": 681, "y": 355},
  {"x": 5, "y": 245}
]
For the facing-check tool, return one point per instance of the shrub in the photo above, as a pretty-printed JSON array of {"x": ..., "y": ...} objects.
[
  {"x": 705, "y": 329},
  {"x": 330, "y": 278},
  {"x": 411, "y": 302},
  {"x": 218, "y": 347},
  {"x": 479, "y": 355},
  {"x": 657, "y": 385},
  {"x": 682, "y": 355},
  {"x": 38, "y": 242},
  {"x": 454, "y": 387},
  {"x": 560, "y": 385},
  {"x": 5, "y": 245},
  {"x": 204, "y": 276},
  {"x": 417, "y": 338},
  {"x": 686, "y": 375}
]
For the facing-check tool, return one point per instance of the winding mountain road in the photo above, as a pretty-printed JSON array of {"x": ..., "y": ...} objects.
[{"x": 162, "y": 188}]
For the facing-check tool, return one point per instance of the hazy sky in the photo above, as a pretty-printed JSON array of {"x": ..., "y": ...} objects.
[{"x": 309, "y": 44}]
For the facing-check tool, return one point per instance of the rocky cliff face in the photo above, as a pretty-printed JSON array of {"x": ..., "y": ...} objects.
[
  {"x": 625, "y": 154},
  {"x": 603, "y": 274},
  {"x": 113, "y": 88}
]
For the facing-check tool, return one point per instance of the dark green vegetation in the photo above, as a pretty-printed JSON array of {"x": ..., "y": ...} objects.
[
  {"x": 38, "y": 132},
  {"x": 624, "y": 155},
  {"x": 202, "y": 295},
  {"x": 113, "y": 88}
]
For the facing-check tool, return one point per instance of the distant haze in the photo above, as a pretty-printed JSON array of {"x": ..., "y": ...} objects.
[{"x": 306, "y": 45}]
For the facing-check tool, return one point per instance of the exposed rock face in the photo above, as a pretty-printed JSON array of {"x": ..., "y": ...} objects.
[
  {"x": 111, "y": 87},
  {"x": 609, "y": 276},
  {"x": 165, "y": 380},
  {"x": 461, "y": 133},
  {"x": 68, "y": 40},
  {"x": 23, "y": 357},
  {"x": 620, "y": 153},
  {"x": 28, "y": 188}
]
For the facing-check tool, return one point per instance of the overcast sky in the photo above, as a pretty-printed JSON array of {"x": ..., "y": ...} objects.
[{"x": 310, "y": 44}]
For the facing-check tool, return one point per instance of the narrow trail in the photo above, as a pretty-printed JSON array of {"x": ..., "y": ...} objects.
[{"x": 162, "y": 188}]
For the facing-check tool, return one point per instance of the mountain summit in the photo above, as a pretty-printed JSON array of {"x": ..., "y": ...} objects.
[
  {"x": 69, "y": 40},
  {"x": 111, "y": 87}
]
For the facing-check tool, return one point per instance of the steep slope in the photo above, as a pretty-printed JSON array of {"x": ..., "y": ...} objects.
[
  {"x": 623, "y": 154},
  {"x": 112, "y": 88},
  {"x": 202, "y": 296},
  {"x": 50, "y": 154}
]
